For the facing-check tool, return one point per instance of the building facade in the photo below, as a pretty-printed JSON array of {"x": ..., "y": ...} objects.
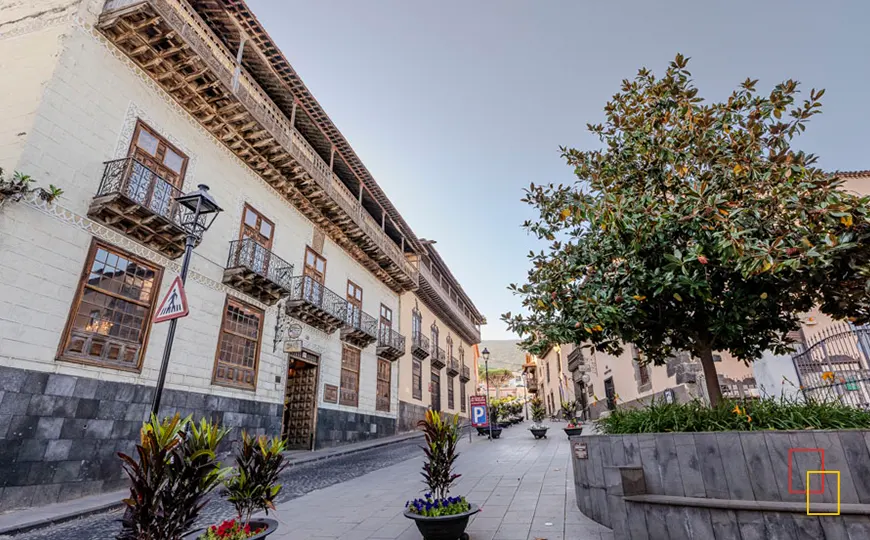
[
  {"x": 548, "y": 377},
  {"x": 295, "y": 292},
  {"x": 443, "y": 326}
]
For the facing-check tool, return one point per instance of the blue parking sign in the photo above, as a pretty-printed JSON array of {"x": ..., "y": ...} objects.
[{"x": 479, "y": 416}]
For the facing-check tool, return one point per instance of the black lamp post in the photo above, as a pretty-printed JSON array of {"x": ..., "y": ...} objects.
[
  {"x": 203, "y": 210},
  {"x": 485, "y": 355}
]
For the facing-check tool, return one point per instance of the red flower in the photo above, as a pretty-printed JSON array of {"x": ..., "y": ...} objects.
[{"x": 702, "y": 259}]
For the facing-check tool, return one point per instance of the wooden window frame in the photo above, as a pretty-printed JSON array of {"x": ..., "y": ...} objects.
[
  {"x": 451, "y": 393},
  {"x": 262, "y": 315},
  {"x": 416, "y": 323},
  {"x": 262, "y": 217},
  {"x": 305, "y": 265},
  {"x": 417, "y": 384},
  {"x": 77, "y": 299},
  {"x": 358, "y": 352},
  {"x": 381, "y": 317},
  {"x": 463, "y": 397},
  {"x": 388, "y": 381},
  {"x": 449, "y": 342},
  {"x": 131, "y": 149}
]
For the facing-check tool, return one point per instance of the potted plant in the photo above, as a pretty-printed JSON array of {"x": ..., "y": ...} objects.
[
  {"x": 176, "y": 468},
  {"x": 538, "y": 429},
  {"x": 437, "y": 515},
  {"x": 495, "y": 410},
  {"x": 251, "y": 488},
  {"x": 15, "y": 188},
  {"x": 574, "y": 427}
]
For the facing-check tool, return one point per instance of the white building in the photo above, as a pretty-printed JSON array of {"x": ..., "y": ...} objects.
[{"x": 293, "y": 292}]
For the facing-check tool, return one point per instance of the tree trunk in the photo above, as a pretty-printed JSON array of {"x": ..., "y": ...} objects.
[{"x": 714, "y": 391}]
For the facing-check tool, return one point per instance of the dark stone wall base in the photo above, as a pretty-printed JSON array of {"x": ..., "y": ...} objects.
[
  {"x": 409, "y": 415},
  {"x": 60, "y": 434},
  {"x": 335, "y": 428}
]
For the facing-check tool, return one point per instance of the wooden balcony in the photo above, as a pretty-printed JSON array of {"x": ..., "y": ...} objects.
[
  {"x": 391, "y": 344},
  {"x": 419, "y": 346},
  {"x": 445, "y": 306},
  {"x": 575, "y": 359},
  {"x": 465, "y": 374},
  {"x": 438, "y": 358},
  {"x": 136, "y": 201},
  {"x": 315, "y": 305},
  {"x": 171, "y": 42},
  {"x": 453, "y": 366},
  {"x": 257, "y": 272},
  {"x": 360, "y": 328}
]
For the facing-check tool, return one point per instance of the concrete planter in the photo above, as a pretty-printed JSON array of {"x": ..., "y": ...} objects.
[{"x": 724, "y": 485}]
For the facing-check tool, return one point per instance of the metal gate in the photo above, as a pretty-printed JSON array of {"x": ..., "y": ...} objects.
[{"x": 836, "y": 366}]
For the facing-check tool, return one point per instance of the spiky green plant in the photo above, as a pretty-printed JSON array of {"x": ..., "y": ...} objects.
[
  {"x": 254, "y": 486},
  {"x": 442, "y": 436},
  {"x": 176, "y": 468},
  {"x": 539, "y": 412}
]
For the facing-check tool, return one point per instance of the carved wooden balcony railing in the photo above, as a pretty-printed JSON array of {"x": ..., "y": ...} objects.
[
  {"x": 465, "y": 374},
  {"x": 360, "y": 328},
  {"x": 438, "y": 358},
  {"x": 391, "y": 344},
  {"x": 453, "y": 366},
  {"x": 169, "y": 40},
  {"x": 315, "y": 305},
  {"x": 257, "y": 272},
  {"x": 419, "y": 346},
  {"x": 531, "y": 382},
  {"x": 136, "y": 201},
  {"x": 430, "y": 286}
]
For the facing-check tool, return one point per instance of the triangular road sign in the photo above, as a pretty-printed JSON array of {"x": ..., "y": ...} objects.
[{"x": 174, "y": 304}]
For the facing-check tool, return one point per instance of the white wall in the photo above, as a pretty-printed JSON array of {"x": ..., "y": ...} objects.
[
  {"x": 85, "y": 118},
  {"x": 771, "y": 372}
]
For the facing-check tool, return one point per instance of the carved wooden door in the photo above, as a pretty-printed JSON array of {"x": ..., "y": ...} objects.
[{"x": 300, "y": 406}]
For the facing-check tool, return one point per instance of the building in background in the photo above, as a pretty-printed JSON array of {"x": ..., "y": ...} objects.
[
  {"x": 295, "y": 292},
  {"x": 443, "y": 326},
  {"x": 548, "y": 378}
]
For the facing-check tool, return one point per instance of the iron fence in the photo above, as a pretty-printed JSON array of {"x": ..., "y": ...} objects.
[
  {"x": 359, "y": 319},
  {"x": 249, "y": 254},
  {"x": 834, "y": 366},
  {"x": 315, "y": 293},
  {"x": 387, "y": 337}
]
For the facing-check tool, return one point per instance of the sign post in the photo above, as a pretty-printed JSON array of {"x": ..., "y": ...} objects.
[{"x": 479, "y": 411}]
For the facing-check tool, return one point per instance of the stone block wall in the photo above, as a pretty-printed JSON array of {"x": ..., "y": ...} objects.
[
  {"x": 337, "y": 427},
  {"x": 60, "y": 434},
  {"x": 409, "y": 415},
  {"x": 732, "y": 484}
]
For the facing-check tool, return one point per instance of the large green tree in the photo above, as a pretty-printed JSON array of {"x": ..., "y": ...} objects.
[{"x": 696, "y": 226}]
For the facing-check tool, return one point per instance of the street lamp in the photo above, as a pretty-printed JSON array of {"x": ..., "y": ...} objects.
[
  {"x": 485, "y": 355},
  {"x": 525, "y": 394},
  {"x": 203, "y": 211}
]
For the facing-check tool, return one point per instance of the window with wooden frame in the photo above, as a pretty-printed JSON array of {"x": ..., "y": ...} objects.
[
  {"x": 450, "y": 385},
  {"x": 461, "y": 356},
  {"x": 354, "y": 299},
  {"x": 386, "y": 317},
  {"x": 163, "y": 160},
  {"x": 111, "y": 313},
  {"x": 256, "y": 252},
  {"x": 315, "y": 272},
  {"x": 349, "y": 384},
  {"x": 417, "y": 378},
  {"x": 238, "y": 353},
  {"x": 462, "y": 397},
  {"x": 382, "y": 401}
]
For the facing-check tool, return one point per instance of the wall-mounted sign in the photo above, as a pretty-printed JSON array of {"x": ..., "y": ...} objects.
[
  {"x": 583, "y": 368},
  {"x": 330, "y": 393},
  {"x": 580, "y": 450},
  {"x": 669, "y": 396},
  {"x": 293, "y": 346}
]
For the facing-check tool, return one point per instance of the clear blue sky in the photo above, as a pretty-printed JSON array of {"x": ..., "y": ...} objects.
[{"x": 455, "y": 106}]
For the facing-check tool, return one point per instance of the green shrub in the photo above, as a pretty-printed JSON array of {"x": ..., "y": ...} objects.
[
  {"x": 254, "y": 485},
  {"x": 538, "y": 410},
  {"x": 749, "y": 415}
]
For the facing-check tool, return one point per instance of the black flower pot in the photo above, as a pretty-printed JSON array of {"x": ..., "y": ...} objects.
[
  {"x": 573, "y": 431},
  {"x": 504, "y": 424},
  {"x": 444, "y": 527},
  {"x": 539, "y": 433},
  {"x": 270, "y": 524},
  {"x": 483, "y": 430},
  {"x": 496, "y": 432}
]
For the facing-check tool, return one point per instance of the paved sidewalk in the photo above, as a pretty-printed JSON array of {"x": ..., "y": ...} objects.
[
  {"x": 22, "y": 520},
  {"x": 524, "y": 486}
]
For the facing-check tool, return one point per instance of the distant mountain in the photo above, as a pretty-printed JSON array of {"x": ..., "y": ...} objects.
[{"x": 503, "y": 354}]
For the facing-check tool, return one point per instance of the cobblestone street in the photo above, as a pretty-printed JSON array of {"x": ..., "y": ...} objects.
[{"x": 524, "y": 487}]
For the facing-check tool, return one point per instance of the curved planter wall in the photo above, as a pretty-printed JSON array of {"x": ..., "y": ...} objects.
[{"x": 728, "y": 485}]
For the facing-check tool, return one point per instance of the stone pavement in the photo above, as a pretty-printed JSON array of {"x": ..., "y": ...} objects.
[{"x": 525, "y": 487}]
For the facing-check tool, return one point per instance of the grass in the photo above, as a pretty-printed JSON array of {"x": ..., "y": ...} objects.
[{"x": 750, "y": 415}]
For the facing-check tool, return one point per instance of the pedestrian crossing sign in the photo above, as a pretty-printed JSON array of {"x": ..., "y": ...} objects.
[{"x": 174, "y": 304}]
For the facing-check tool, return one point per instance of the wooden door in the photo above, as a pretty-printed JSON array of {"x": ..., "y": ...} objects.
[
  {"x": 314, "y": 274},
  {"x": 436, "y": 389},
  {"x": 610, "y": 393},
  {"x": 354, "y": 299},
  {"x": 162, "y": 160},
  {"x": 300, "y": 406},
  {"x": 255, "y": 235}
]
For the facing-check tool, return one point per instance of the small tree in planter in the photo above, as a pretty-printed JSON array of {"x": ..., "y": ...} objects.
[
  {"x": 569, "y": 410},
  {"x": 538, "y": 429},
  {"x": 175, "y": 470},
  {"x": 439, "y": 516},
  {"x": 251, "y": 488}
]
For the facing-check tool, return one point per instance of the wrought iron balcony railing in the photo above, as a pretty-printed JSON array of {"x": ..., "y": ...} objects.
[
  {"x": 465, "y": 374},
  {"x": 360, "y": 328},
  {"x": 391, "y": 344},
  {"x": 313, "y": 303},
  {"x": 439, "y": 357},
  {"x": 256, "y": 271},
  {"x": 419, "y": 345},
  {"x": 453, "y": 366},
  {"x": 137, "y": 201}
]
